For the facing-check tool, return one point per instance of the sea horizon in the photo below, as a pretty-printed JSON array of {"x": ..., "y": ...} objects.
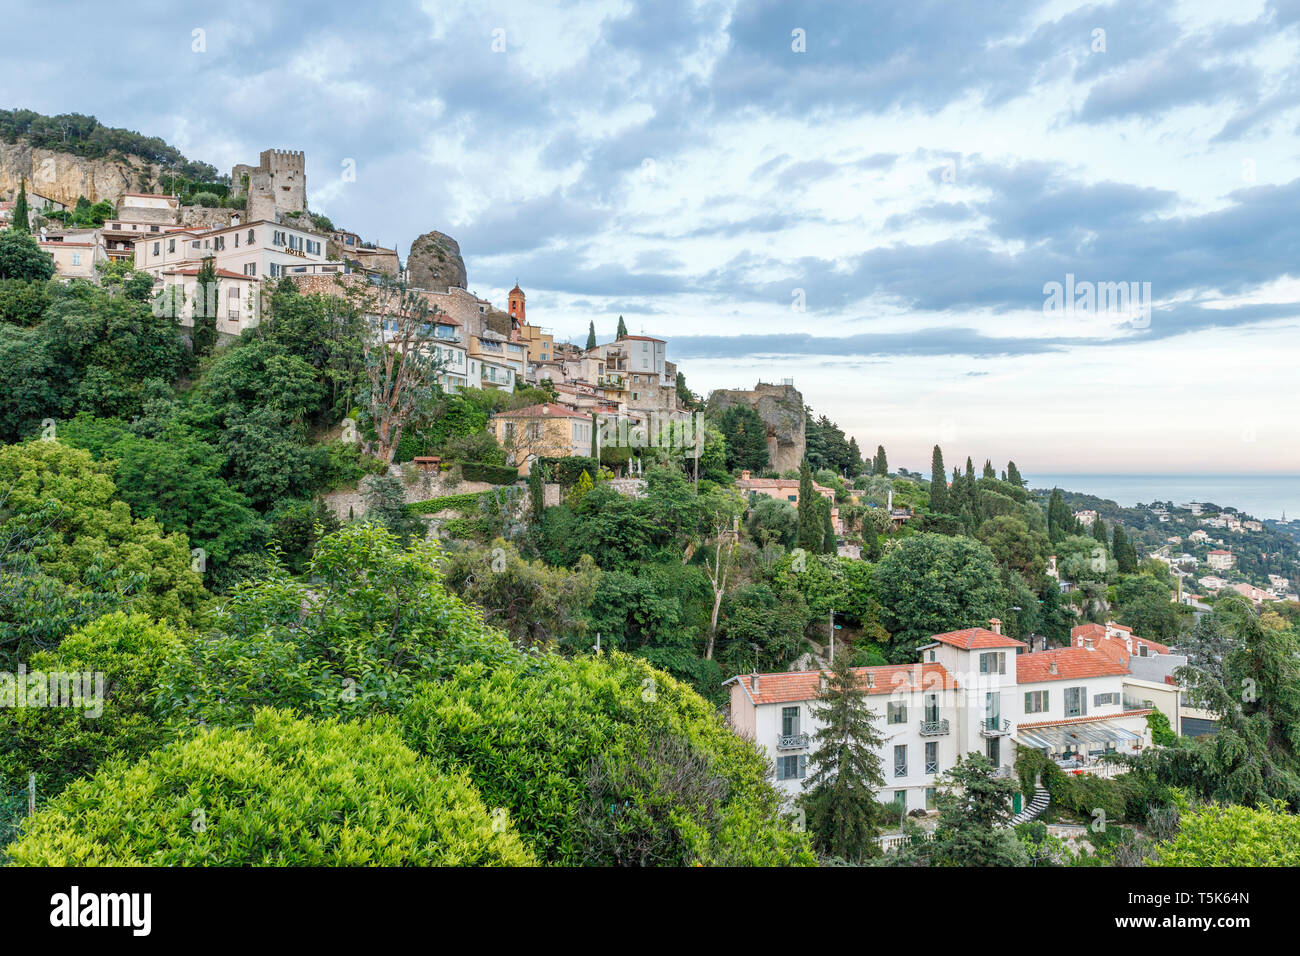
[{"x": 1262, "y": 495}]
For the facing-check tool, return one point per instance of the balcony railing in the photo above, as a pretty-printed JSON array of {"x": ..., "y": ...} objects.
[
  {"x": 934, "y": 728},
  {"x": 791, "y": 741},
  {"x": 994, "y": 726}
]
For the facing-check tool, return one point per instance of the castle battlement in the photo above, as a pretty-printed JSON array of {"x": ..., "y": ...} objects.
[{"x": 277, "y": 185}]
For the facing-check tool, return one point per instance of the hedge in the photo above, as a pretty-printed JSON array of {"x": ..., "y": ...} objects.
[
  {"x": 492, "y": 474},
  {"x": 464, "y": 504},
  {"x": 287, "y": 792}
]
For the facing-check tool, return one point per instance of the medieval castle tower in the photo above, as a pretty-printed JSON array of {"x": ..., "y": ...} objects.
[{"x": 277, "y": 185}]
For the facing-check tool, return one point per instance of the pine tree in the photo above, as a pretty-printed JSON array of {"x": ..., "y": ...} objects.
[
  {"x": 591, "y": 337},
  {"x": 839, "y": 798},
  {"x": 622, "y": 328},
  {"x": 938, "y": 482},
  {"x": 881, "y": 462},
  {"x": 20, "y": 223},
  {"x": 811, "y": 532}
]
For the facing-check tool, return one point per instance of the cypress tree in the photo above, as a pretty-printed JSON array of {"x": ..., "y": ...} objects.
[
  {"x": 206, "y": 304},
  {"x": 828, "y": 526},
  {"x": 881, "y": 463},
  {"x": 1099, "y": 530},
  {"x": 938, "y": 482},
  {"x": 855, "y": 458},
  {"x": 970, "y": 469},
  {"x": 839, "y": 799},
  {"x": 1123, "y": 550},
  {"x": 811, "y": 530},
  {"x": 591, "y": 337},
  {"x": 622, "y": 327},
  {"x": 20, "y": 210},
  {"x": 988, "y": 469},
  {"x": 1013, "y": 474}
]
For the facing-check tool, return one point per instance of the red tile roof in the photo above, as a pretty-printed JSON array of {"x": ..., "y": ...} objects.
[
  {"x": 977, "y": 638},
  {"x": 547, "y": 410},
  {"x": 1072, "y": 663},
  {"x": 784, "y": 687},
  {"x": 221, "y": 274}
]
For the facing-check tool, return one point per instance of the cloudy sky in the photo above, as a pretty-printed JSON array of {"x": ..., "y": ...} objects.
[{"x": 869, "y": 198}]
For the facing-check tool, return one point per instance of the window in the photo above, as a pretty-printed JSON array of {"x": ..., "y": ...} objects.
[
  {"x": 993, "y": 663},
  {"x": 275, "y": 271},
  {"x": 250, "y": 237},
  {"x": 250, "y": 268},
  {"x": 156, "y": 246},
  {"x": 1036, "y": 702},
  {"x": 76, "y": 258},
  {"x": 789, "y": 721},
  {"x": 792, "y": 767},
  {"x": 900, "y": 760},
  {"x": 236, "y": 240},
  {"x": 932, "y": 757},
  {"x": 929, "y": 797},
  {"x": 993, "y": 711},
  {"x": 171, "y": 245},
  {"x": 896, "y": 712},
  {"x": 932, "y": 657},
  {"x": 232, "y": 292},
  {"x": 1076, "y": 702},
  {"x": 1100, "y": 700}
]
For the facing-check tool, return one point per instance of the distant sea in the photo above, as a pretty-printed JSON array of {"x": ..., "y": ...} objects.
[{"x": 1263, "y": 496}]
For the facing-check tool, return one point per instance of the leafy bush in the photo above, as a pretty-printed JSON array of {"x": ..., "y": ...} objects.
[
  {"x": 492, "y": 474},
  {"x": 373, "y": 621},
  {"x": 59, "y": 744},
  {"x": 464, "y": 504},
  {"x": 1233, "y": 836},
  {"x": 286, "y": 792},
  {"x": 207, "y": 200},
  {"x": 606, "y": 761},
  {"x": 567, "y": 471}
]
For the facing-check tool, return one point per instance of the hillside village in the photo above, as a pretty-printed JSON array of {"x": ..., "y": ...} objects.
[{"x": 261, "y": 398}]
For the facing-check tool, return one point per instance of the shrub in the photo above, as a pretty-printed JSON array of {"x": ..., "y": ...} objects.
[
  {"x": 464, "y": 504},
  {"x": 286, "y": 792},
  {"x": 207, "y": 200},
  {"x": 606, "y": 761},
  {"x": 1233, "y": 836},
  {"x": 567, "y": 471},
  {"x": 59, "y": 744}
]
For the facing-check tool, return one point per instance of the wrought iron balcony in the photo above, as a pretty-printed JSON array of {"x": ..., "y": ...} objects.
[
  {"x": 791, "y": 741},
  {"x": 934, "y": 728},
  {"x": 994, "y": 727}
]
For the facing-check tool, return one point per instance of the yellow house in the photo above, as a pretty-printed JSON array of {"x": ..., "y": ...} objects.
[{"x": 542, "y": 431}]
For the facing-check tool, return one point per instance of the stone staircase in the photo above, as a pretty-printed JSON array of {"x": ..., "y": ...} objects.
[{"x": 1035, "y": 807}]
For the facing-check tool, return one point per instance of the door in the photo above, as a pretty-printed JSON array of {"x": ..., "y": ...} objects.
[{"x": 995, "y": 751}]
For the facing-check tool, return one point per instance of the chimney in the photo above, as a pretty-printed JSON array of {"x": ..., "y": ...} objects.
[
  {"x": 1087, "y": 642},
  {"x": 1051, "y": 668},
  {"x": 995, "y": 625},
  {"x": 753, "y": 682},
  {"x": 744, "y": 475}
]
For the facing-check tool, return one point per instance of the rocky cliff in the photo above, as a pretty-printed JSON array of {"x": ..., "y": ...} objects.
[
  {"x": 782, "y": 410},
  {"x": 435, "y": 263},
  {"x": 64, "y": 177}
]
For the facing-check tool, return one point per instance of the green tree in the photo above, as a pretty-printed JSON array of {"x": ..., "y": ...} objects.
[
  {"x": 828, "y": 526},
  {"x": 21, "y": 258},
  {"x": 206, "y": 307},
  {"x": 1124, "y": 551},
  {"x": 746, "y": 438},
  {"x": 812, "y": 530},
  {"x": 938, "y": 482},
  {"x": 622, "y": 328},
  {"x": 1013, "y": 475},
  {"x": 839, "y": 798},
  {"x": 974, "y": 813},
  {"x": 19, "y": 221},
  {"x": 881, "y": 464},
  {"x": 591, "y": 336},
  {"x": 385, "y": 500},
  {"x": 930, "y": 584},
  {"x": 1233, "y": 836}
]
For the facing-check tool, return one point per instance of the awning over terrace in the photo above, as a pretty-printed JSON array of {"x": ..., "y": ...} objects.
[{"x": 1084, "y": 736}]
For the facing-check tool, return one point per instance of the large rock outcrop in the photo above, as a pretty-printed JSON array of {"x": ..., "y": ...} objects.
[
  {"x": 782, "y": 410},
  {"x": 435, "y": 263},
  {"x": 64, "y": 176}
]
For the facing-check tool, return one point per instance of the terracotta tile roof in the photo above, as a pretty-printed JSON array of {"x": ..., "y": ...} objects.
[
  {"x": 784, "y": 687},
  {"x": 547, "y": 410},
  {"x": 1114, "y": 647},
  {"x": 977, "y": 638},
  {"x": 1072, "y": 663},
  {"x": 221, "y": 273},
  {"x": 1082, "y": 720}
]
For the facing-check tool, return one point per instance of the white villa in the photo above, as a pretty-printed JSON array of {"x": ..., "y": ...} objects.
[{"x": 974, "y": 690}]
